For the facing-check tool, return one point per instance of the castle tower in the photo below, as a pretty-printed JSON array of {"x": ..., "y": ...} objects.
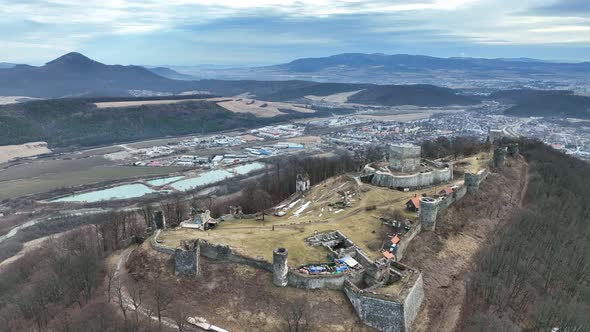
[
  {"x": 186, "y": 258},
  {"x": 513, "y": 150},
  {"x": 405, "y": 157},
  {"x": 428, "y": 211},
  {"x": 280, "y": 269},
  {"x": 499, "y": 157},
  {"x": 472, "y": 182},
  {"x": 302, "y": 183}
]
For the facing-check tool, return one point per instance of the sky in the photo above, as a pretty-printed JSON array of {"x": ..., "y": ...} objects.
[{"x": 263, "y": 32}]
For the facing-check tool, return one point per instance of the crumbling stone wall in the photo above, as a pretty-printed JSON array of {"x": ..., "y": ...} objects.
[
  {"x": 472, "y": 180},
  {"x": 499, "y": 157},
  {"x": 186, "y": 258}
]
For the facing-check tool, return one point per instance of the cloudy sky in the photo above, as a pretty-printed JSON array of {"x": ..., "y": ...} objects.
[{"x": 257, "y": 32}]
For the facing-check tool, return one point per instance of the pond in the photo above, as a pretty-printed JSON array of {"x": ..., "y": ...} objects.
[
  {"x": 120, "y": 192},
  {"x": 245, "y": 169},
  {"x": 202, "y": 179}
]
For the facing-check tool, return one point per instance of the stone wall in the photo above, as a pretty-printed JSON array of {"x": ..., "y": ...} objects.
[
  {"x": 215, "y": 252},
  {"x": 406, "y": 240},
  {"x": 384, "y": 315},
  {"x": 456, "y": 196},
  {"x": 330, "y": 281},
  {"x": 418, "y": 180},
  {"x": 413, "y": 301},
  {"x": 160, "y": 247},
  {"x": 473, "y": 180}
]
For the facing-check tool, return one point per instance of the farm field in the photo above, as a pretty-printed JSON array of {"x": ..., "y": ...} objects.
[
  {"x": 49, "y": 175},
  {"x": 261, "y": 109},
  {"x": 10, "y": 152}
]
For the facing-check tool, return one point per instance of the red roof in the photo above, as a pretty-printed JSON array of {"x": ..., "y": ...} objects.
[
  {"x": 395, "y": 239},
  {"x": 415, "y": 201},
  {"x": 446, "y": 191},
  {"x": 387, "y": 255}
]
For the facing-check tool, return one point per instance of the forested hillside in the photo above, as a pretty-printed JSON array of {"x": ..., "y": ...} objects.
[
  {"x": 535, "y": 274},
  {"x": 67, "y": 122},
  {"x": 560, "y": 103}
]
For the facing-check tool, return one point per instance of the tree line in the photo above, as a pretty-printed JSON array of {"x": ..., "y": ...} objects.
[{"x": 535, "y": 273}]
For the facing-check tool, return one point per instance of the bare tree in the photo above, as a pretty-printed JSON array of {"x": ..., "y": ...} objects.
[
  {"x": 120, "y": 296},
  {"x": 180, "y": 315},
  {"x": 111, "y": 275},
  {"x": 162, "y": 298},
  {"x": 136, "y": 296},
  {"x": 297, "y": 317},
  {"x": 147, "y": 211}
]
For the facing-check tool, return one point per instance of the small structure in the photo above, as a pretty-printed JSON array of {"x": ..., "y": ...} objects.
[
  {"x": 405, "y": 157},
  {"x": 201, "y": 220},
  {"x": 302, "y": 183},
  {"x": 413, "y": 204}
]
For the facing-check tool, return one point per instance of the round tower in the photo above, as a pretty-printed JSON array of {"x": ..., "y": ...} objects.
[
  {"x": 472, "y": 182},
  {"x": 499, "y": 157},
  {"x": 280, "y": 268},
  {"x": 513, "y": 150},
  {"x": 428, "y": 212}
]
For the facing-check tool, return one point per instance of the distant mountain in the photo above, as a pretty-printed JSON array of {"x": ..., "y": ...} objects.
[
  {"x": 410, "y": 69},
  {"x": 6, "y": 65},
  {"x": 74, "y": 74},
  {"x": 412, "y": 63},
  {"x": 169, "y": 73}
]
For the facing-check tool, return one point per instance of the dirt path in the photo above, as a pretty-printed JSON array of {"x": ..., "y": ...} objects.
[{"x": 446, "y": 255}]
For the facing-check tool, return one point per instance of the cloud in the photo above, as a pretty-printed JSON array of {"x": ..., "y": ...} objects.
[{"x": 280, "y": 30}]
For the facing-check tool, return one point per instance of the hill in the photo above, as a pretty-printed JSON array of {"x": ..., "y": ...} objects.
[
  {"x": 560, "y": 103},
  {"x": 419, "y": 95},
  {"x": 74, "y": 74},
  {"x": 69, "y": 122}
]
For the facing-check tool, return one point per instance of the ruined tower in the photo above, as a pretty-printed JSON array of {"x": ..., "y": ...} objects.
[
  {"x": 280, "y": 269},
  {"x": 186, "y": 258},
  {"x": 499, "y": 157},
  {"x": 428, "y": 211},
  {"x": 513, "y": 150},
  {"x": 472, "y": 182},
  {"x": 405, "y": 157}
]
